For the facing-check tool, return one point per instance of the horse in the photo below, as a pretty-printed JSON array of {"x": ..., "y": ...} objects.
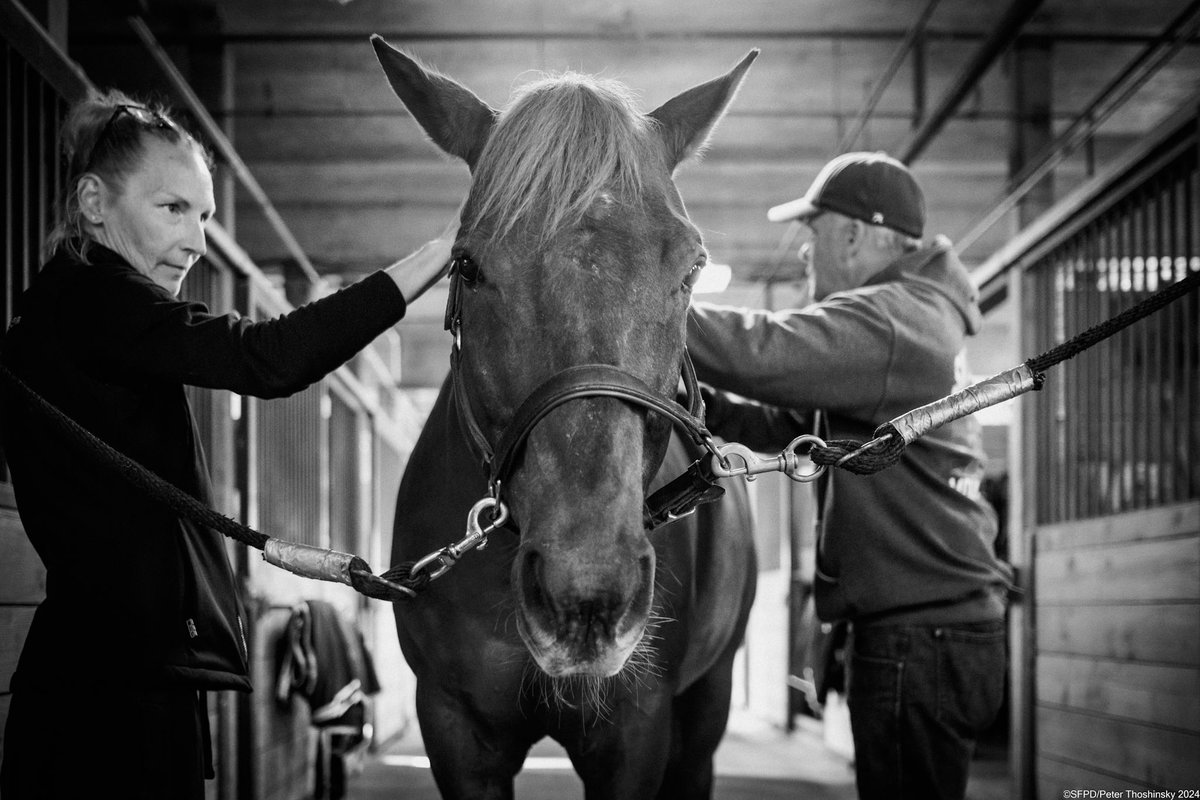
[{"x": 570, "y": 283}]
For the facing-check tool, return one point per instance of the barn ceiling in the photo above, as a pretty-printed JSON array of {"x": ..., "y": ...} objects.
[{"x": 966, "y": 91}]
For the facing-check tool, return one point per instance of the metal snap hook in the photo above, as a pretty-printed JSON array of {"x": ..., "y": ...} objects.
[
  {"x": 476, "y": 537},
  {"x": 736, "y": 459},
  {"x": 792, "y": 459}
]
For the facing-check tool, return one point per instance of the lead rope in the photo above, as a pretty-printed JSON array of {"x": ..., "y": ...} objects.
[
  {"x": 306, "y": 560},
  {"x": 892, "y": 437}
]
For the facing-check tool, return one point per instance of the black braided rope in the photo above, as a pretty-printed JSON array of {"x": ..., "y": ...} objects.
[
  {"x": 395, "y": 584},
  {"x": 1107, "y": 328},
  {"x": 402, "y": 574},
  {"x": 879, "y": 457},
  {"x": 886, "y": 453}
]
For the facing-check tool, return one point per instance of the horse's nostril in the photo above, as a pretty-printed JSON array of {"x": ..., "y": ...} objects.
[{"x": 531, "y": 582}]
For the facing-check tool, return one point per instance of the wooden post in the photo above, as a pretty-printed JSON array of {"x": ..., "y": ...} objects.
[{"x": 1020, "y": 553}]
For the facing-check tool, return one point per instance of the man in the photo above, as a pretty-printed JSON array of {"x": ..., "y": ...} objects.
[{"x": 905, "y": 555}]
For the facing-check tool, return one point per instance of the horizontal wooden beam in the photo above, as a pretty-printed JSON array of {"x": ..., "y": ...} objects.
[{"x": 650, "y": 18}]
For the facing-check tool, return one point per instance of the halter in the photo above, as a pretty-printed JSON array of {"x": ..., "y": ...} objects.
[
  {"x": 678, "y": 498},
  {"x": 572, "y": 383}
]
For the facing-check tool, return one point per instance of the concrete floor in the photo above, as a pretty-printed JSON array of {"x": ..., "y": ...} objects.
[{"x": 756, "y": 761}]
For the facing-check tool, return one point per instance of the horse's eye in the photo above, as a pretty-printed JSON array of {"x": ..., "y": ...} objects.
[
  {"x": 693, "y": 275},
  {"x": 464, "y": 265}
]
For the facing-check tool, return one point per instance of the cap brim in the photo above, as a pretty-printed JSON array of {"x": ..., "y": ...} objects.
[{"x": 801, "y": 208}]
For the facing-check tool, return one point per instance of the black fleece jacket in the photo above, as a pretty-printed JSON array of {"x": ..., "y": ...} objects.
[{"x": 134, "y": 594}]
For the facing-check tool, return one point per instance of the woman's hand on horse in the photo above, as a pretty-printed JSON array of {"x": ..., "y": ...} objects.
[{"x": 417, "y": 272}]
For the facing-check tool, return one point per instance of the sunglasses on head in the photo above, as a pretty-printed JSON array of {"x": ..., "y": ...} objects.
[{"x": 143, "y": 115}]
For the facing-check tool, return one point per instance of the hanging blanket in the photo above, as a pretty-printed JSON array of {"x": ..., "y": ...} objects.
[{"x": 325, "y": 660}]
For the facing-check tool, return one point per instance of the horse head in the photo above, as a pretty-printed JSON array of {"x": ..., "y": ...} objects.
[{"x": 574, "y": 249}]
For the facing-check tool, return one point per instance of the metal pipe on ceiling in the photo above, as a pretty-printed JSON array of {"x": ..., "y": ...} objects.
[
  {"x": 1175, "y": 35},
  {"x": 910, "y": 37},
  {"x": 996, "y": 43}
]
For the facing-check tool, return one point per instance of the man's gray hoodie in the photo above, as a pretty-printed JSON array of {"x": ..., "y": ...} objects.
[{"x": 915, "y": 541}]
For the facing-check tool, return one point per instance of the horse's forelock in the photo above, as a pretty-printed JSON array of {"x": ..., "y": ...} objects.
[{"x": 563, "y": 141}]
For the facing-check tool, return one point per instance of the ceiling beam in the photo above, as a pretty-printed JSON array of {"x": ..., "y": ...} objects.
[
  {"x": 996, "y": 43},
  {"x": 1176, "y": 34},
  {"x": 910, "y": 38},
  {"x": 95, "y": 37}
]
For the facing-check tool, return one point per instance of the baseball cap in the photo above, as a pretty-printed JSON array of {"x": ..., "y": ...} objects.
[{"x": 872, "y": 187}]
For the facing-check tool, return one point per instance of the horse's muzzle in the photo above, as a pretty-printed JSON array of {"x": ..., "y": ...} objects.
[{"x": 583, "y": 619}]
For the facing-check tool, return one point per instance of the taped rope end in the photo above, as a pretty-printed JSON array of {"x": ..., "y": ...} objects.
[{"x": 1038, "y": 377}]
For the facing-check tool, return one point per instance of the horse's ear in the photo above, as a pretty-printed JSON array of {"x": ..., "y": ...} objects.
[
  {"x": 454, "y": 118},
  {"x": 686, "y": 120}
]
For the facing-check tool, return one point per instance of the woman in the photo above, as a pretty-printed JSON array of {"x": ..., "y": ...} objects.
[{"x": 142, "y": 615}]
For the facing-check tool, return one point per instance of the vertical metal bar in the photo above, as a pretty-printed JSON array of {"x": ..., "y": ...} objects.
[
  {"x": 1138, "y": 409},
  {"x": 1022, "y": 546},
  {"x": 44, "y": 143},
  {"x": 1035, "y": 421},
  {"x": 20, "y": 168},
  {"x": 1046, "y": 421},
  {"x": 1108, "y": 425},
  {"x": 1184, "y": 332},
  {"x": 9, "y": 199},
  {"x": 1081, "y": 385},
  {"x": 1175, "y": 250},
  {"x": 1061, "y": 475},
  {"x": 1187, "y": 431},
  {"x": 1154, "y": 386},
  {"x": 1076, "y": 388},
  {"x": 1126, "y": 365},
  {"x": 58, "y": 173},
  {"x": 1092, "y": 408},
  {"x": 6, "y": 201}
]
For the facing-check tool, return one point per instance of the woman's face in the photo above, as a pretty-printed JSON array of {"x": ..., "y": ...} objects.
[{"x": 156, "y": 220}]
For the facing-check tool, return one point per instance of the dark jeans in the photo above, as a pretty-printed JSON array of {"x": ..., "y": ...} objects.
[
  {"x": 111, "y": 742},
  {"x": 919, "y": 697}
]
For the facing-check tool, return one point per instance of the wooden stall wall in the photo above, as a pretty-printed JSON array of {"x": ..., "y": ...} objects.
[
  {"x": 1111, "y": 488},
  {"x": 1118, "y": 641}
]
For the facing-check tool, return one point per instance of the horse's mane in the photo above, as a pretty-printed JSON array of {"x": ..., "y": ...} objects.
[{"x": 562, "y": 141}]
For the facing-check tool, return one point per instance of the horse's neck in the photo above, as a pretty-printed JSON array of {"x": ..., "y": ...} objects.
[{"x": 442, "y": 478}]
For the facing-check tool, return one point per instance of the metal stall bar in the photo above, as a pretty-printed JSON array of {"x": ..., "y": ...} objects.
[
  {"x": 1149, "y": 340},
  {"x": 1066, "y": 217},
  {"x": 1179, "y": 331},
  {"x": 1075, "y": 290},
  {"x": 1112, "y": 387},
  {"x": 1057, "y": 299},
  {"x": 1188, "y": 325},
  {"x": 1089, "y": 375}
]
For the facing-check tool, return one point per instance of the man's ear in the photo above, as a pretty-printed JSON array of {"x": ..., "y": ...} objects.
[
  {"x": 855, "y": 235},
  {"x": 90, "y": 192}
]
